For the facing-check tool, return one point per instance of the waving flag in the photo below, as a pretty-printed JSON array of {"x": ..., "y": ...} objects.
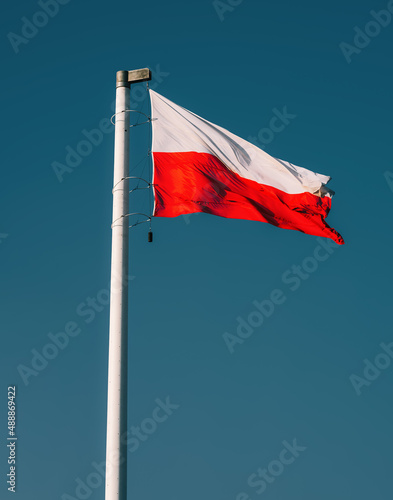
[{"x": 201, "y": 167}]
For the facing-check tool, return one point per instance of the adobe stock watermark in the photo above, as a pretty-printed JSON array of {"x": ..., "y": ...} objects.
[
  {"x": 389, "y": 179},
  {"x": 31, "y": 27},
  {"x": 277, "y": 124},
  {"x": 133, "y": 438},
  {"x": 266, "y": 135},
  {"x": 372, "y": 29},
  {"x": 262, "y": 477},
  {"x": 293, "y": 278},
  {"x": 373, "y": 369},
  {"x": 58, "y": 342},
  {"x": 93, "y": 138},
  {"x": 3, "y": 236},
  {"x": 223, "y": 7}
]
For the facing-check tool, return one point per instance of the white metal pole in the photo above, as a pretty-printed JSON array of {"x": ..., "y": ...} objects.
[{"x": 116, "y": 451}]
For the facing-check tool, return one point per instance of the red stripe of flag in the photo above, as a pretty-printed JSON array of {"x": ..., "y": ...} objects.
[{"x": 192, "y": 182}]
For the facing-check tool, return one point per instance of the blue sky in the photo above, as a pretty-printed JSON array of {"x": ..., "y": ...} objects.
[{"x": 291, "y": 384}]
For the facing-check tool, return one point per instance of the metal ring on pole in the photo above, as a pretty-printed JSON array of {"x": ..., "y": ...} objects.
[
  {"x": 141, "y": 178},
  {"x": 144, "y": 180},
  {"x": 129, "y": 215},
  {"x": 133, "y": 177},
  {"x": 140, "y": 222},
  {"x": 138, "y": 189},
  {"x": 149, "y": 118}
]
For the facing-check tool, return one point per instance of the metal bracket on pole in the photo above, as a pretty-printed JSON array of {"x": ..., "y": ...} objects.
[{"x": 125, "y": 78}]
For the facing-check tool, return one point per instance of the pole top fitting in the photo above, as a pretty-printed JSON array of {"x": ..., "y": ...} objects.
[
  {"x": 125, "y": 78},
  {"x": 122, "y": 79}
]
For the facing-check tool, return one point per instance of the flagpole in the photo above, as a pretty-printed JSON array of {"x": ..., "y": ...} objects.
[{"x": 116, "y": 450}]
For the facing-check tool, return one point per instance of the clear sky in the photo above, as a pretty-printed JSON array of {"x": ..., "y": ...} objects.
[{"x": 290, "y": 412}]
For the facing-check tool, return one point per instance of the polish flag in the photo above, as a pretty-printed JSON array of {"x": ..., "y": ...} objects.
[{"x": 201, "y": 167}]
